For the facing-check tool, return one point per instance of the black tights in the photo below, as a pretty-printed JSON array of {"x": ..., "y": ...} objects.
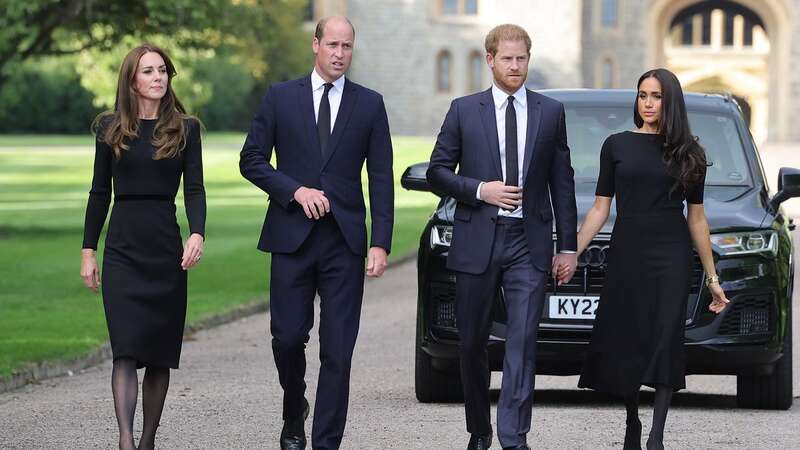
[
  {"x": 125, "y": 388},
  {"x": 633, "y": 428}
]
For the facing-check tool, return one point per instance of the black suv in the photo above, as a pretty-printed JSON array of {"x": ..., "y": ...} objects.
[{"x": 752, "y": 248}]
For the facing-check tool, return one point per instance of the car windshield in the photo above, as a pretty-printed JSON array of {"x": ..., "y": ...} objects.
[{"x": 588, "y": 127}]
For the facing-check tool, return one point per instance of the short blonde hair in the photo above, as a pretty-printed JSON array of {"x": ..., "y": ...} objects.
[{"x": 506, "y": 32}]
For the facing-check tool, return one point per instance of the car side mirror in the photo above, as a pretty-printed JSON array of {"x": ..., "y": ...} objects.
[
  {"x": 788, "y": 186},
  {"x": 414, "y": 178}
]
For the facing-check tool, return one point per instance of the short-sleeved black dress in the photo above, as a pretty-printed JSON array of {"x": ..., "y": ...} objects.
[
  {"x": 638, "y": 334},
  {"x": 143, "y": 284}
]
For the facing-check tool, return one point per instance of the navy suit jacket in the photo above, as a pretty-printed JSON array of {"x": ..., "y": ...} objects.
[
  {"x": 286, "y": 122},
  {"x": 468, "y": 143}
]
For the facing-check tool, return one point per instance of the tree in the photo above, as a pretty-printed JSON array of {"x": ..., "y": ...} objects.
[
  {"x": 30, "y": 28},
  {"x": 258, "y": 41}
]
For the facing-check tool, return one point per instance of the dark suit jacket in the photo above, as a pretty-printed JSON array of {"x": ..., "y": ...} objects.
[
  {"x": 468, "y": 141},
  {"x": 285, "y": 121}
]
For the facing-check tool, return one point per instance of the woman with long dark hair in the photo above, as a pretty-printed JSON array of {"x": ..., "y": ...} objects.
[
  {"x": 638, "y": 333},
  {"x": 143, "y": 147}
]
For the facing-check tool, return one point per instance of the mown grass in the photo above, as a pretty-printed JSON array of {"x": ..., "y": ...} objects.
[{"x": 46, "y": 313}]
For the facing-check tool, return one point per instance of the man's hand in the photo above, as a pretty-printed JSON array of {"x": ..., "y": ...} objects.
[
  {"x": 498, "y": 194},
  {"x": 313, "y": 201},
  {"x": 376, "y": 261},
  {"x": 564, "y": 265}
]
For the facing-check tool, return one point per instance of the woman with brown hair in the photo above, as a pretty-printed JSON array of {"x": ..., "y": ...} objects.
[
  {"x": 638, "y": 336},
  {"x": 144, "y": 146}
]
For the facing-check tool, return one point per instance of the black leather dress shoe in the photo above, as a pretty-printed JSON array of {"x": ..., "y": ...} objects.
[
  {"x": 518, "y": 447},
  {"x": 477, "y": 442},
  {"x": 293, "y": 434}
]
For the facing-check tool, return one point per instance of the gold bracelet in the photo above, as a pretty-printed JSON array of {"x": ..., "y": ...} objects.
[{"x": 712, "y": 279}]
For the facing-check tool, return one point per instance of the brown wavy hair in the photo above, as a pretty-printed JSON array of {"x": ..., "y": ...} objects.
[{"x": 118, "y": 127}]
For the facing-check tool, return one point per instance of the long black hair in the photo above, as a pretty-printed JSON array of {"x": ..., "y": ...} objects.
[{"x": 684, "y": 156}]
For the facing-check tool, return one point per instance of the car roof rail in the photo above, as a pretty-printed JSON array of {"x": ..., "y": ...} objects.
[{"x": 729, "y": 97}]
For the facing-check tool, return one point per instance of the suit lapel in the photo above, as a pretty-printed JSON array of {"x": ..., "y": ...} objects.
[
  {"x": 534, "y": 118},
  {"x": 306, "y": 100},
  {"x": 349, "y": 96},
  {"x": 490, "y": 130}
]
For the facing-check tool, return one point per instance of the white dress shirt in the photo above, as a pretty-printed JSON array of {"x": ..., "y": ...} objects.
[
  {"x": 334, "y": 95},
  {"x": 521, "y": 109}
]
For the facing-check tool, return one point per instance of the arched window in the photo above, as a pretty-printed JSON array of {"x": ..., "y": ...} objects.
[
  {"x": 444, "y": 67},
  {"x": 721, "y": 23},
  {"x": 607, "y": 74},
  {"x": 476, "y": 69}
]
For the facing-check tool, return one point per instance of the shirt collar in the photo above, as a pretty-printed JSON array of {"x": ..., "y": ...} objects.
[
  {"x": 317, "y": 82},
  {"x": 500, "y": 97}
]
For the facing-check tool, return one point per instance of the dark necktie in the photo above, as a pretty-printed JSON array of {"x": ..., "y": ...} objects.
[
  {"x": 324, "y": 119},
  {"x": 512, "y": 170}
]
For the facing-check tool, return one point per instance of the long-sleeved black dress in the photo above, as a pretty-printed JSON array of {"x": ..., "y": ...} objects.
[
  {"x": 143, "y": 284},
  {"x": 638, "y": 335}
]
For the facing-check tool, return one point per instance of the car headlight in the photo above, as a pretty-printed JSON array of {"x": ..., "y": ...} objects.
[
  {"x": 746, "y": 243},
  {"x": 441, "y": 235}
]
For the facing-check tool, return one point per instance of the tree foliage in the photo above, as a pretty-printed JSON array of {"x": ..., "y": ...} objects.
[
  {"x": 226, "y": 51},
  {"x": 30, "y": 28}
]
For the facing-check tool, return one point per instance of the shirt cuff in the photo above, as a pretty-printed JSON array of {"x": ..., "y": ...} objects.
[
  {"x": 570, "y": 252},
  {"x": 478, "y": 192}
]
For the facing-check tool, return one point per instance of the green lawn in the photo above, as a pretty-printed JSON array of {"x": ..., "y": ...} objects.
[{"x": 46, "y": 313}]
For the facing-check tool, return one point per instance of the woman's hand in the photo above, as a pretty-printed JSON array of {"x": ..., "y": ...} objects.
[
  {"x": 89, "y": 271},
  {"x": 192, "y": 251},
  {"x": 719, "y": 301}
]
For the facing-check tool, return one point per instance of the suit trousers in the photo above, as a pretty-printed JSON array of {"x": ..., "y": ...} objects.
[
  {"x": 323, "y": 264},
  {"x": 523, "y": 285}
]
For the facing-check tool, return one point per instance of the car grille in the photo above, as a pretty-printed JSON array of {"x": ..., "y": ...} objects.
[
  {"x": 588, "y": 280},
  {"x": 591, "y": 273},
  {"x": 443, "y": 298},
  {"x": 748, "y": 316}
]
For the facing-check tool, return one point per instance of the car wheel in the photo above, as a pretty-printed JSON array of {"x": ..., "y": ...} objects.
[
  {"x": 773, "y": 391},
  {"x": 433, "y": 385}
]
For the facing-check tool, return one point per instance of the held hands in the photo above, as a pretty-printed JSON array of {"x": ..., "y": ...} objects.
[
  {"x": 192, "y": 251},
  {"x": 313, "y": 201},
  {"x": 498, "y": 194},
  {"x": 376, "y": 262},
  {"x": 564, "y": 265},
  {"x": 89, "y": 271},
  {"x": 718, "y": 299}
]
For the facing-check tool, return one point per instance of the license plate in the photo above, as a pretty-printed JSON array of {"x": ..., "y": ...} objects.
[{"x": 572, "y": 307}]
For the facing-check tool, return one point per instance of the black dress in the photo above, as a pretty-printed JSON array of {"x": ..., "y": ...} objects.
[
  {"x": 638, "y": 332},
  {"x": 143, "y": 284}
]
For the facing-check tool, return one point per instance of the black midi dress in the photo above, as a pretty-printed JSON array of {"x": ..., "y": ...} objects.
[
  {"x": 638, "y": 335},
  {"x": 143, "y": 284}
]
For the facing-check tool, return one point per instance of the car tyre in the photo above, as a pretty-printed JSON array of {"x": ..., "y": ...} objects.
[
  {"x": 433, "y": 385},
  {"x": 773, "y": 391}
]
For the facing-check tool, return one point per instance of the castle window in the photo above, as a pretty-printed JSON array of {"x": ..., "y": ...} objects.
[
  {"x": 609, "y": 10},
  {"x": 476, "y": 69},
  {"x": 443, "y": 71},
  {"x": 608, "y": 74},
  {"x": 458, "y": 7}
]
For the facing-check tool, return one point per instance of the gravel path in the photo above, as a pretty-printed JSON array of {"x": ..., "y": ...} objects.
[{"x": 226, "y": 395}]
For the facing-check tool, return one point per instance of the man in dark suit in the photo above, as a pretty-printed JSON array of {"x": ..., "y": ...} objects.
[
  {"x": 322, "y": 127},
  {"x": 503, "y": 155}
]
